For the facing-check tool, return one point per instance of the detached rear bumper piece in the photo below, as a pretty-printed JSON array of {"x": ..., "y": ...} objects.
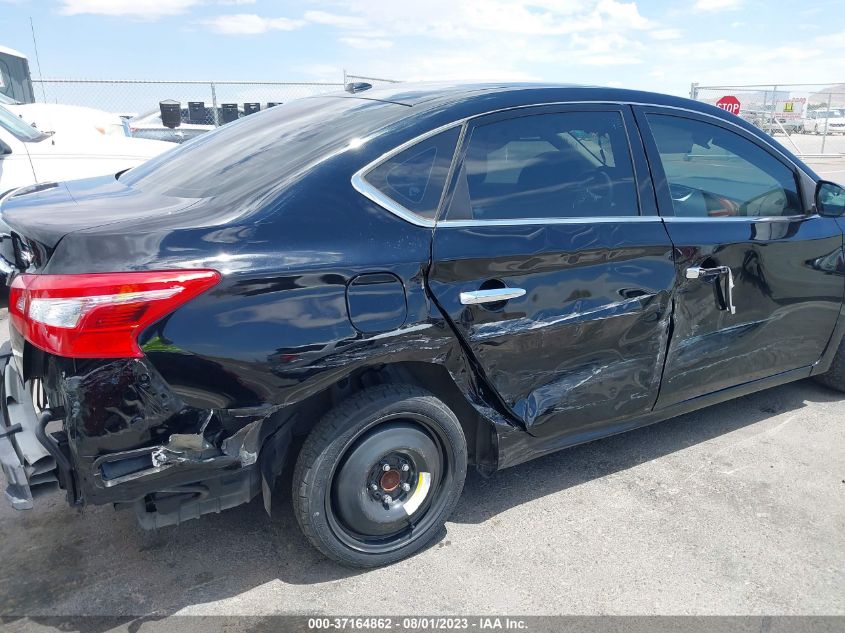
[{"x": 28, "y": 465}]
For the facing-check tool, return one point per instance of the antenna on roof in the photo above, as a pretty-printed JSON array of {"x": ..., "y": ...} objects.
[
  {"x": 357, "y": 86},
  {"x": 37, "y": 60}
]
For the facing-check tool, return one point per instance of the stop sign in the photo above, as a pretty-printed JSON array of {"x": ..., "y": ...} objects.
[{"x": 729, "y": 103}]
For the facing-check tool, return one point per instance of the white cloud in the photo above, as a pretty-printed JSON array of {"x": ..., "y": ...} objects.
[
  {"x": 557, "y": 40},
  {"x": 454, "y": 64},
  {"x": 327, "y": 73},
  {"x": 547, "y": 18},
  {"x": 249, "y": 24},
  {"x": 717, "y": 5},
  {"x": 470, "y": 19},
  {"x": 834, "y": 40},
  {"x": 333, "y": 19},
  {"x": 146, "y": 9},
  {"x": 366, "y": 43},
  {"x": 623, "y": 14},
  {"x": 666, "y": 34},
  {"x": 633, "y": 42},
  {"x": 612, "y": 49}
]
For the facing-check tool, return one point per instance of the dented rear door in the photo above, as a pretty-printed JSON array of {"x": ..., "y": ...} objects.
[{"x": 551, "y": 263}]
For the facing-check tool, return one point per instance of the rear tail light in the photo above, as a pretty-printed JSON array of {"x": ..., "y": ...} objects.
[{"x": 99, "y": 315}]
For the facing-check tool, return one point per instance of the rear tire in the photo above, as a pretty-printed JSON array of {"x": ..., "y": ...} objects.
[
  {"x": 835, "y": 376},
  {"x": 378, "y": 475}
]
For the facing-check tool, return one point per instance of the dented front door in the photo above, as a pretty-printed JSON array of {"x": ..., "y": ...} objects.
[
  {"x": 759, "y": 273},
  {"x": 567, "y": 313}
]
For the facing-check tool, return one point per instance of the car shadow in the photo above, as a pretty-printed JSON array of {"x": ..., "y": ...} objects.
[
  {"x": 484, "y": 498},
  {"x": 101, "y": 562}
]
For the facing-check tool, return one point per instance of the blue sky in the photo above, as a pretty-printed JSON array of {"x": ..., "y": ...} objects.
[{"x": 651, "y": 44}]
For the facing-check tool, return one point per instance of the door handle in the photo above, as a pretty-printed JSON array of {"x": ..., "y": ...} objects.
[
  {"x": 697, "y": 272},
  {"x": 490, "y": 296}
]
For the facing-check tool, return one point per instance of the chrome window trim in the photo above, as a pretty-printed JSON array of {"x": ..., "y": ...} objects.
[
  {"x": 743, "y": 218},
  {"x": 607, "y": 219},
  {"x": 360, "y": 184}
]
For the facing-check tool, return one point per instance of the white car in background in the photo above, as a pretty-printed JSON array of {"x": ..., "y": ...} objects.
[
  {"x": 818, "y": 120},
  {"x": 67, "y": 119},
  {"x": 29, "y": 156}
]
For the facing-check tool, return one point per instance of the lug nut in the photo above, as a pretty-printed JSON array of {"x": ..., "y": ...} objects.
[
  {"x": 405, "y": 468},
  {"x": 373, "y": 487},
  {"x": 387, "y": 498},
  {"x": 406, "y": 487},
  {"x": 386, "y": 467}
]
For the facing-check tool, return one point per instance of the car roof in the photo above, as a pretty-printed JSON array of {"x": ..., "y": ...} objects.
[
  {"x": 12, "y": 52},
  {"x": 413, "y": 94},
  {"x": 466, "y": 100}
]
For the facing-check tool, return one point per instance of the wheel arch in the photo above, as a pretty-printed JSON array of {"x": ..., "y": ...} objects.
[{"x": 294, "y": 423}]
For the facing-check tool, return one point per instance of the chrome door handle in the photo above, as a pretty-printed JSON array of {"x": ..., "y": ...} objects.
[
  {"x": 697, "y": 272},
  {"x": 490, "y": 296}
]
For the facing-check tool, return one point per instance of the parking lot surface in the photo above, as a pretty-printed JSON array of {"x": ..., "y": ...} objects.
[
  {"x": 832, "y": 166},
  {"x": 735, "y": 509}
]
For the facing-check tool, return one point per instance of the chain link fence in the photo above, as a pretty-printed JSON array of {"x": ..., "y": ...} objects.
[
  {"x": 807, "y": 118},
  {"x": 179, "y": 110}
]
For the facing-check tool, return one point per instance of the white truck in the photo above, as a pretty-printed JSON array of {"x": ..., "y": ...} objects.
[
  {"x": 15, "y": 80},
  {"x": 44, "y": 142},
  {"x": 819, "y": 121},
  {"x": 16, "y": 94}
]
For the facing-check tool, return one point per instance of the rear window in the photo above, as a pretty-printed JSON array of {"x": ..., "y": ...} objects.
[
  {"x": 414, "y": 178},
  {"x": 260, "y": 151}
]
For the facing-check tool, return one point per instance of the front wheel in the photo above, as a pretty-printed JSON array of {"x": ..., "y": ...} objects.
[
  {"x": 378, "y": 476},
  {"x": 834, "y": 377}
]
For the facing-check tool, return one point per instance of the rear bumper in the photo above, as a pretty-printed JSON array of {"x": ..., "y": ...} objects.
[
  {"x": 28, "y": 465},
  {"x": 129, "y": 440}
]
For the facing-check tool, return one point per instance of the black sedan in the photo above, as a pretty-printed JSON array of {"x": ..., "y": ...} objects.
[{"x": 386, "y": 287}]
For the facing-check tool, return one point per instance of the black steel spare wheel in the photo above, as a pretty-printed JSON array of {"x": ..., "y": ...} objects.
[
  {"x": 386, "y": 482},
  {"x": 378, "y": 476}
]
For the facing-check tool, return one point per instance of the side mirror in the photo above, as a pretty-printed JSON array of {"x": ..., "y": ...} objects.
[
  {"x": 830, "y": 199},
  {"x": 4, "y": 149}
]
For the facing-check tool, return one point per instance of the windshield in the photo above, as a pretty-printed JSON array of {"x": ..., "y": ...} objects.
[
  {"x": 259, "y": 151},
  {"x": 18, "y": 127}
]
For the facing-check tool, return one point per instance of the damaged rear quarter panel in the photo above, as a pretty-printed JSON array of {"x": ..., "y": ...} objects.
[{"x": 228, "y": 368}]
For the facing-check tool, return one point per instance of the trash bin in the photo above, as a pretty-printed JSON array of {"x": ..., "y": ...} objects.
[
  {"x": 228, "y": 112},
  {"x": 171, "y": 113},
  {"x": 197, "y": 113}
]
